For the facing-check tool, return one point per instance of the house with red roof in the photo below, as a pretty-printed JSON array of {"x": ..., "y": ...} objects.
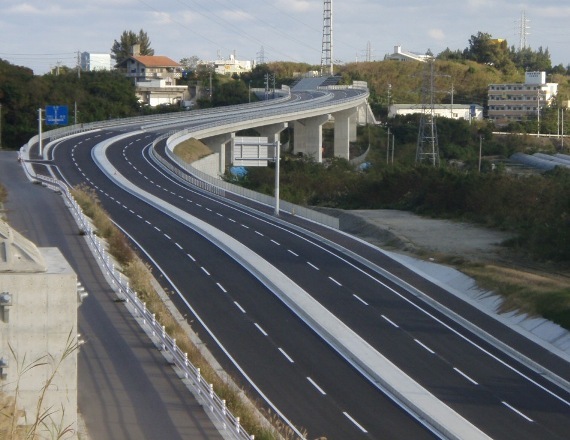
[{"x": 155, "y": 78}]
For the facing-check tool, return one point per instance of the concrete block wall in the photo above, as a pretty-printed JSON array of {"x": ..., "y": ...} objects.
[{"x": 40, "y": 325}]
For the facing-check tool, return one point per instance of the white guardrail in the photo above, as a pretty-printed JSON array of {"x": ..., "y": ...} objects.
[{"x": 228, "y": 424}]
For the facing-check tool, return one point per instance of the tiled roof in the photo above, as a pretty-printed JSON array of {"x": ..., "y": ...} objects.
[{"x": 155, "y": 61}]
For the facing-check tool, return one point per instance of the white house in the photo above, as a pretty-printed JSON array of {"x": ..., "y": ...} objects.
[{"x": 401, "y": 55}]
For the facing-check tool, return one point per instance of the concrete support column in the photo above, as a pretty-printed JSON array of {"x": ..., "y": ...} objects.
[
  {"x": 218, "y": 145},
  {"x": 344, "y": 131},
  {"x": 309, "y": 136},
  {"x": 272, "y": 132}
]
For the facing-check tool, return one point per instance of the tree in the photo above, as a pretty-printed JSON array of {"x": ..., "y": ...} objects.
[
  {"x": 532, "y": 61},
  {"x": 122, "y": 49},
  {"x": 484, "y": 49},
  {"x": 190, "y": 63}
]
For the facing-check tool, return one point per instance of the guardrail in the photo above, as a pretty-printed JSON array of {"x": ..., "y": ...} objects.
[
  {"x": 220, "y": 187},
  {"x": 228, "y": 424}
]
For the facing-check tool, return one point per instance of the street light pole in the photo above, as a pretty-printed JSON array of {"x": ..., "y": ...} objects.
[
  {"x": 480, "y": 150},
  {"x": 277, "y": 154}
]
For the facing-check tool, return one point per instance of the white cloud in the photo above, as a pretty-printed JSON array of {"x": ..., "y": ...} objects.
[{"x": 437, "y": 34}]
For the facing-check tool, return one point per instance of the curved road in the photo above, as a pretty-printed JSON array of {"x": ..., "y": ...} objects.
[{"x": 303, "y": 377}]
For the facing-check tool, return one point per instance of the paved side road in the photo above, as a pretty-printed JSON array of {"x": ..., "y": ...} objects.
[{"x": 126, "y": 390}]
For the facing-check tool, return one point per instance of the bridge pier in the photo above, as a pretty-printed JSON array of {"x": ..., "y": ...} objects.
[
  {"x": 218, "y": 145},
  {"x": 272, "y": 132},
  {"x": 344, "y": 131},
  {"x": 309, "y": 136}
]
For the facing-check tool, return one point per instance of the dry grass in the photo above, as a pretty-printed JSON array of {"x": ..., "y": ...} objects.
[
  {"x": 535, "y": 293},
  {"x": 140, "y": 277},
  {"x": 45, "y": 422},
  {"x": 191, "y": 150},
  {"x": 3, "y": 193}
]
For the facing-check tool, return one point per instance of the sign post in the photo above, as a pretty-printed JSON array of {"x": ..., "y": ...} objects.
[{"x": 256, "y": 151}]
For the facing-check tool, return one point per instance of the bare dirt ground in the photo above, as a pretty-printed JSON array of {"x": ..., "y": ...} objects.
[{"x": 428, "y": 238}]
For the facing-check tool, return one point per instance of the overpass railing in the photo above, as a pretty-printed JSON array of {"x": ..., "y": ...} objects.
[{"x": 188, "y": 173}]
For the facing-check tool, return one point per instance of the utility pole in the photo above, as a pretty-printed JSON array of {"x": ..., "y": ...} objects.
[
  {"x": 480, "y": 151},
  {"x": 210, "y": 85},
  {"x": 0, "y": 125},
  {"x": 538, "y": 111},
  {"x": 562, "y": 129},
  {"x": 78, "y": 65}
]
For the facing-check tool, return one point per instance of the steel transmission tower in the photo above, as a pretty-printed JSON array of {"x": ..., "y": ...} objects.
[
  {"x": 428, "y": 147},
  {"x": 523, "y": 31},
  {"x": 327, "y": 51}
]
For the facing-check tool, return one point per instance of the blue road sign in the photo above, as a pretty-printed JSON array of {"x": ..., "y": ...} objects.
[{"x": 56, "y": 115}]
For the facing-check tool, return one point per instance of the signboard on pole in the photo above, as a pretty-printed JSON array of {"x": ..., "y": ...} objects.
[
  {"x": 252, "y": 151},
  {"x": 56, "y": 115}
]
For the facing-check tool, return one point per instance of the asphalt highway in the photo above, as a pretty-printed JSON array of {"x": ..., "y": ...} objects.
[
  {"x": 299, "y": 373},
  {"x": 125, "y": 389}
]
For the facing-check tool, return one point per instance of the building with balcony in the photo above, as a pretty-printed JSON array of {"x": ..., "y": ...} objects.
[
  {"x": 155, "y": 78},
  {"x": 518, "y": 102}
]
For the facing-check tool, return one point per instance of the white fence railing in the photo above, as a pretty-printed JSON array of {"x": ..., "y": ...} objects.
[{"x": 228, "y": 424}]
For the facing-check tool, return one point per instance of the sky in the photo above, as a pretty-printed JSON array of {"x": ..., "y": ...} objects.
[{"x": 41, "y": 34}]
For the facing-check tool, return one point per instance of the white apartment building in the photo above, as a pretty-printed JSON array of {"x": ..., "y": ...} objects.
[
  {"x": 230, "y": 66},
  {"x": 518, "y": 102}
]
